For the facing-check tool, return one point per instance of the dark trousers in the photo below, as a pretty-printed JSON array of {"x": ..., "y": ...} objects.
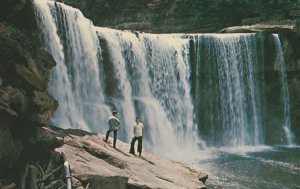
[
  {"x": 140, "y": 144},
  {"x": 115, "y": 136}
]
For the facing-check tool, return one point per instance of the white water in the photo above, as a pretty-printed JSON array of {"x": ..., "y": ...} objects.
[
  {"x": 153, "y": 72},
  {"x": 75, "y": 81},
  {"x": 161, "y": 79},
  {"x": 286, "y": 125},
  {"x": 155, "y": 89},
  {"x": 229, "y": 62},
  {"x": 149, "y": 75}
]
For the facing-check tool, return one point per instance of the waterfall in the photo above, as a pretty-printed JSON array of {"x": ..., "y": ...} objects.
[
  {"x": 152, "y": 74},
  {"x": 139, "y": 75},
  {"x": 286, "y": 125},
  {"x": 75, "y": 81},
  {"x": 190, "y": 90},
  {"x": 227, "y": 91}
]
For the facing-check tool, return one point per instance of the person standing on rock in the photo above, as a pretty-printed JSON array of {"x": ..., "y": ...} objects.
[
  {"x": 113, "y": 124},
  {"x": 138, "y": 131}
]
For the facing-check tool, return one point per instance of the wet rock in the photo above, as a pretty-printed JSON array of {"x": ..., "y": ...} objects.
[{"x": 202, "y": 177}]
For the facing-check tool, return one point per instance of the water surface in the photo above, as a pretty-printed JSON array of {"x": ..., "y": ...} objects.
[{"x": 276, "y": 167}]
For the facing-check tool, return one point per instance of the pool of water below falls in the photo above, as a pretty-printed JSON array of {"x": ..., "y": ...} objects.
[{"x": 276, "y": 167}]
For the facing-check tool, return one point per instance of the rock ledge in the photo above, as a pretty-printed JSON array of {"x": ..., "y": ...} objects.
[{"x": 95, "y": 163}]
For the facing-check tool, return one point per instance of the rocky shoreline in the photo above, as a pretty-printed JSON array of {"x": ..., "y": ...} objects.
[{"x": 97, "y": 164}]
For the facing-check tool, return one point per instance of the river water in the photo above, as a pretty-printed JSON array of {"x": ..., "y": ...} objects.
[{"x": 276, "y": 167}]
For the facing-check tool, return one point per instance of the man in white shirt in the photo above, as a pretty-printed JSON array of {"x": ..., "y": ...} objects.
[
  {"x": 114, "y": 124},
  {"x": 138, "y": 131}
]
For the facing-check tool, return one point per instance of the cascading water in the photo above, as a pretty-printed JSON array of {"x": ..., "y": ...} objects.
[
  {"x": 227, "y": 92},
  {"x": 181, "y": 85},
  {"x": 286, "y": 125},
  {"x": 75, "y": 81},
  {"x": 156, "y": 70},
  {"x": 147, "y": 76}
]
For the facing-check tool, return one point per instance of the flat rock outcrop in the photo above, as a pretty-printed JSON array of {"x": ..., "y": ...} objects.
[{"x": 97, "y": 164}]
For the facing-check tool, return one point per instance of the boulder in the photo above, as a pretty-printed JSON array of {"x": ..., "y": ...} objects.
[{"x": 202, "y": 177}]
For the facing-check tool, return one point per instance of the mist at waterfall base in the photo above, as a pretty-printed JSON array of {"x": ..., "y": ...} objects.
[{"x": 203, "y": 98}]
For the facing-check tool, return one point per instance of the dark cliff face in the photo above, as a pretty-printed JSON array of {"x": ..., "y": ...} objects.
[
  {"x": 25, "y": 105},
  {"x": 169, "y": 16}
]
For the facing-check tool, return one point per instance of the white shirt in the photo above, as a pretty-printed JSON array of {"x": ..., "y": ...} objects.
[
  {"x": 138, "y": 129},
  {"x": 113, "y": 123}
]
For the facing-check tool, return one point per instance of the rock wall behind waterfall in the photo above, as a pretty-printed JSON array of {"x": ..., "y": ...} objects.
[{"x": 166, "y": 16}]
